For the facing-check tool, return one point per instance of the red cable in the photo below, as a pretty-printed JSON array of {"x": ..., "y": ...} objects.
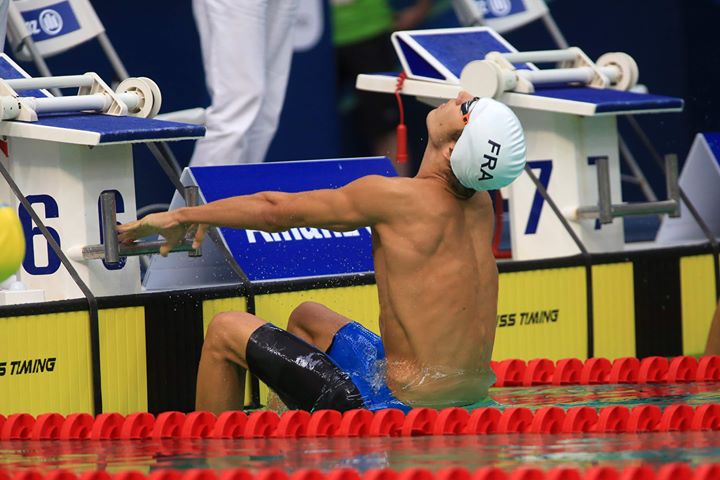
[{"x": 401, "y": 155}]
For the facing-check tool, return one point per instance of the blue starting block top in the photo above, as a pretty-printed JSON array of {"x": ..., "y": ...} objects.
[
  {"x": 295, "y": 254},
  {"x": 89, "y": 128},
  {"x": 611, "y": 101},
  {"x": 434, "y": 59},
  {"x": 113, "y": 129}
]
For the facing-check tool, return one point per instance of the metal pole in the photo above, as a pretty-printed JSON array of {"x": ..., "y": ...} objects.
[
  {"x": 671, "y": 182},
  {"x": 602, "y": 168},
  {"x": 108, "y": 210}
]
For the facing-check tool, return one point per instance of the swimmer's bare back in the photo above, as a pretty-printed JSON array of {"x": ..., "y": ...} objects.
[{"x": 437, "y": 283}]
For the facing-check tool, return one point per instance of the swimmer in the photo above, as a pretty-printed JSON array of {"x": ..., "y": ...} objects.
[{"x": 436, "y": 277}]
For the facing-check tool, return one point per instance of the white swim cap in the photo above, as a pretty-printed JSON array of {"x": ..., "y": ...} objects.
[{"x": 490, "y": 152}]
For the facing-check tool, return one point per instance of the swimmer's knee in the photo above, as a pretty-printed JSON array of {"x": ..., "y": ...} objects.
[
  {"x": 303, "y": 315},
  {"x": 228, "y": 332}
]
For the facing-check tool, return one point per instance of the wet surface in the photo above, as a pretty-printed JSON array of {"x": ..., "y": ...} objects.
[{"x": 506, "y": 451}]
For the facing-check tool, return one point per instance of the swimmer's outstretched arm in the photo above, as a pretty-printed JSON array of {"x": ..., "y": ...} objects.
[{"x": 366, "y": 201}]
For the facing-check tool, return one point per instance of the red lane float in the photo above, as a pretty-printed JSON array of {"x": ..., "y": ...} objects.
[
  {"x": 198, "y": 425},
  {"x": 579, "y": 420},
  {"x": 107, "y": 426},
  {"x": 361, "y": 423},
  {"x": 168, "y": 425},
  {"x": 77, "y": 426},
  {"x": 572, "y": 371},
  {"x": 293, "y": 424},
  {"x": 230, "y": 424},
  {"x": 483, "y": 420},
  {"x": 355, "y": 423},
  {"x": 261, "y": 424},
  {"x": 324, "y": 423},
  {"x": 47, "y": 426}
]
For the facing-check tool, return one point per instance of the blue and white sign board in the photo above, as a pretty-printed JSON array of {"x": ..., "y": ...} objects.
[
  {"x": 507, "y": 15},
  {"x": 566, "y": 129},
  {"x": 295, "y": 254},
  {"x": 700, "y": 180},
  {"x": 54, "y": 25}
]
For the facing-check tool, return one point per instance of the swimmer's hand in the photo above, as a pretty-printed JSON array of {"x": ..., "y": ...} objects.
[{"x": 164, "y": 224}]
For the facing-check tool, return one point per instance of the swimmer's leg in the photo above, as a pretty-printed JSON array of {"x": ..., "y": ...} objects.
[
  {"x": 303, "y": 376},
  {"x": 316, "y": 324},
  {"x": 221, "y": 374}
]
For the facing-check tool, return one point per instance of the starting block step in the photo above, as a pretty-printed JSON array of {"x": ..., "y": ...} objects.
[{"x": 299, "y": 253}]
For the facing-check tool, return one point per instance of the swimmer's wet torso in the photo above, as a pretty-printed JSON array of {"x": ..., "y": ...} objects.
[{"x": 437, "y": 285}]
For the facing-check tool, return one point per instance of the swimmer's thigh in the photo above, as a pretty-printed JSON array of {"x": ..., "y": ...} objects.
[{"x": 303, "y": 377}]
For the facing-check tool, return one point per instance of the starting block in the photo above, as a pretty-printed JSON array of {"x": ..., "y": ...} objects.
[
  {"x": 63, "y": 154},
  {"x": 300, "y": 253},
  {"x": 569, "y": 118},
  {"x": 700, "y": 180}
]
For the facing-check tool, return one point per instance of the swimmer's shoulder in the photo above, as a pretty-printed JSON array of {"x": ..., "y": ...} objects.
[{"x": 388, "y": 186}]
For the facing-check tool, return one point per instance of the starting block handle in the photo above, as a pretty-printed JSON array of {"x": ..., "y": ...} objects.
[
  {"x": 671, "y": 182},
  {"x": 75, "y": 103},
  {"x": 62, "y": 81},
  {"x": 605, "y": 210},
  {"x": 111, "y": 251},
  {"x": 136, "y": 96},
  {"x": 108, "y": 210},
  {"x": 602, "y": 166},
  {"x": 540, "y": 56}
]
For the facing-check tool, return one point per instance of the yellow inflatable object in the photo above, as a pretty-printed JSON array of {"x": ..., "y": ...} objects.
[{"x": 12, "y": 242}]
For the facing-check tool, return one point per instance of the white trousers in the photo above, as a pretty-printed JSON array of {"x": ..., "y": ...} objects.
[{"x": 246, "y": 48}]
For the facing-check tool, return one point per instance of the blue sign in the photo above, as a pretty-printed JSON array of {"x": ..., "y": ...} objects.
[
  {"x": 501, "y": 8},
  {"x": 51, "y": 21},
  {"x": 299, "y": 252}
]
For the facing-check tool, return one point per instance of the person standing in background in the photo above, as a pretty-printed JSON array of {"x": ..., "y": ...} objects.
[
  {"x": 247, "y": 50},
  {"x": 361, "y": 34},
  {"x": 4, "y": 4}
]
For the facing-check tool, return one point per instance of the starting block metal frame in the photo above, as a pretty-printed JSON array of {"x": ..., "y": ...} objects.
[{"x": 567, "y": 130}]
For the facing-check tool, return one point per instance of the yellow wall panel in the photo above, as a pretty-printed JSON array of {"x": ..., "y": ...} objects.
[
  {"x": 697, "y": 287},
  {"x": 542, "y": 313},
  {"x": 123, "y": 363},
  {"x": 613, "y": 310},
  {"x": 358, "y": 303},
  {"x": 47, "y": 364},
  {"x": 219, "y": 305}
]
